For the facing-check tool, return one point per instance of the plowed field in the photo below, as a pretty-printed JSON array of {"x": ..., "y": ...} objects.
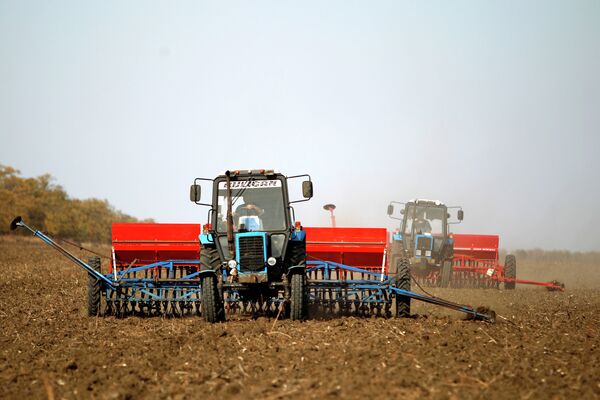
[{"x": 547, "y": 347}]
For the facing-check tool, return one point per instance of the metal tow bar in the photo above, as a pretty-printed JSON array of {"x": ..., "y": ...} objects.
[
  {"x": 478, "y": 314},
  {"x": 18, "y": 223}
]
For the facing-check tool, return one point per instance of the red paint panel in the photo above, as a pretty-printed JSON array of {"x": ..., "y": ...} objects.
[
  {"x": 481, "y": 247},
  {"x": 150, "y": 243},
  {"x": 357, "y": 247}
]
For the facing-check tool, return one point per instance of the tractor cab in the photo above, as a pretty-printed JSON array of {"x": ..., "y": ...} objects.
[
  {"x": 424, "y": 225},
  {"x": 257, "y": 205},
  {"x": 252, "y": 241}
]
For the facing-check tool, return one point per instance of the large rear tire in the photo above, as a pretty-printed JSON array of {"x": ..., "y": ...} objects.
[
  {"x": 209, "y": 259},
  {"x": 446, "y": 274},
  {"x": 295, "y": 254},
  {"x": 212, "y": 303},
  {"x": 403, "y": 283},
  {"x": 94, "y": 289},
  {"x": 297, "y": 297},
  {"x": 510, "y": 271}
]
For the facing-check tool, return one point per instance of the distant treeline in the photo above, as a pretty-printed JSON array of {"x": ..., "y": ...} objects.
[
  {"x": 47, "y": 207},
  {"x": 558, "y": 256},
  {"x": 554, "y": 257}
]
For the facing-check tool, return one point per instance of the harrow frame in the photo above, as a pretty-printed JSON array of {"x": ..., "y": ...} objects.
[
  {"x": 376, "y": 292},
  {"x": 329, "y": 284},
  {"x": 154, "y": 293}
]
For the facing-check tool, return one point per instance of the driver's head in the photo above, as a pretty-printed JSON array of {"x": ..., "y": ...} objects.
[{"x": 247, "y": 198}]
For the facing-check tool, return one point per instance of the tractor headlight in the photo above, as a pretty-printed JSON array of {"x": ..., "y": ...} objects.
[
  {"x": 418, "y": 252},
  {"x": 271, "y": 261},
  {"x": 277, "y": 242},
  {"x": 232, "y": 264},
  {"x": 428, "y": 253}
]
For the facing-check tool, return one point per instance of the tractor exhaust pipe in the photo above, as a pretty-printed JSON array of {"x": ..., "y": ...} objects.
[
  {"x": 330, "y": 208},
  {"x": 229, "y": 217}
]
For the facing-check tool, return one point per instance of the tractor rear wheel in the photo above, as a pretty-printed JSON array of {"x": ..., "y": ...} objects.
[
  {"x": 446, "y": 273},
  {"x": 94, "y": 289},
  {"x": 403, "y": 283},
  {"x": 510, "y": 271},
  {"x": 212, "y": 303},
  {"x": 295, "y": 254},
  {"x": 209, "y": 258},
  {"x": 297, "y": 297},
  {"x": 395, "y": 254}
]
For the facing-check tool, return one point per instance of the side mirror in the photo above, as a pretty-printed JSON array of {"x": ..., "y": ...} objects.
[
  {"x": 390, "y": 209},
  {"x": 307, "y": 189},
  {"x": 460, "y": 215},
  {"x": 195, "y": 191},
  {"x": 402, "y": 211}
]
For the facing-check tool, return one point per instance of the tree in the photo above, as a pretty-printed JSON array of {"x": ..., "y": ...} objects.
[{"x": 48, "y": 207}]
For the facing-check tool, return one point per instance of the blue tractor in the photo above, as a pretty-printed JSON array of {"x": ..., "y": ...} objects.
[
  {"x": 424, "y": 238},
  {"x": 252, "y": 251}
]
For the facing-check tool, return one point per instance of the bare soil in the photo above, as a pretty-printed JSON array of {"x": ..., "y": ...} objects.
[{"x": 548, "y": 346}]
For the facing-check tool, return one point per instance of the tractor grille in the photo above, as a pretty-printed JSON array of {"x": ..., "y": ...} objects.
[
  {"x": 424, "y": 243},
  {"x": 251, "y": 250}
]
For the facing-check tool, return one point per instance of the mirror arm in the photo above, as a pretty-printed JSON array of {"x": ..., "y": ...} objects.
[
  {"x": 299, "y": 201},
  {"x": 298, "y": 176}
]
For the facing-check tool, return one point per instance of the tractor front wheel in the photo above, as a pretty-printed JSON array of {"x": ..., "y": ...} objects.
[
  {"x": 403, "y": 283},
  {"x": 212, "y": 303},
  {"x": 94, "y": 289},
  {"x": 297, "y": 297},
  {"x": 510, "y": 271}
]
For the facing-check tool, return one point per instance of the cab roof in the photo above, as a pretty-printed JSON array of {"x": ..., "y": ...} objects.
[
  {"x": 250, "y": 172},
  {"x": 426, "y": 202}
]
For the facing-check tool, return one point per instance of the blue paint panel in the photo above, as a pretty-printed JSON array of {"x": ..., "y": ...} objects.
[
  {"x": 397, "y": 237},
  {"x": 298, "y": 236},
  {"x": 206, "y": 238}
]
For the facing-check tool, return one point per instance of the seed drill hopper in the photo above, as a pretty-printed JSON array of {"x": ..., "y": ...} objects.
[{"x": 476, "y": 264}]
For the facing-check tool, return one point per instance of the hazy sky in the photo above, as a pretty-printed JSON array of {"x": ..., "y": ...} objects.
[{"x": 494, "y": 106}]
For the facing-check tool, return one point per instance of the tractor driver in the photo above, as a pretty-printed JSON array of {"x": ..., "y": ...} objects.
[
  {"x": 421, "y": 223},
  {"x": 248, "y": 214}
]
